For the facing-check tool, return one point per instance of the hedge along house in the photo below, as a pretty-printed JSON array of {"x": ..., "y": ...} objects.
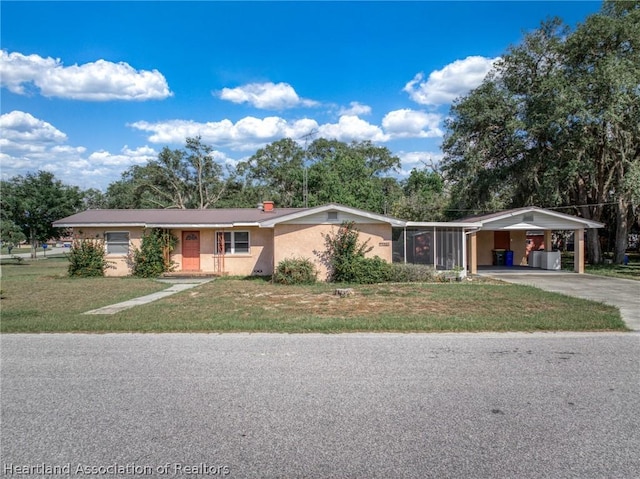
[{"x": 509, "y": 231}]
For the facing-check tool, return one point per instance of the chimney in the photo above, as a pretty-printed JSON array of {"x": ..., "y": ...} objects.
[{"x": 267, "y": 206}]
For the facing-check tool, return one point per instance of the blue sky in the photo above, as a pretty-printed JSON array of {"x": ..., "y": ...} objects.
[{"x": 89, "y": 89}]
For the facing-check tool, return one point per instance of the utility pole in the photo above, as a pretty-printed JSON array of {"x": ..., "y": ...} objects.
[{"x": 305, "y": 176}]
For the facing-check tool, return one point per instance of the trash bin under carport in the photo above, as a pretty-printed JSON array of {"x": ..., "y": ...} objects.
[
  {"x": 498, "y": 257},
  {"x": 508, "y": 258}
]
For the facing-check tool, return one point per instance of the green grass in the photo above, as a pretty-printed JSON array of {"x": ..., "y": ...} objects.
[
  {"x": 38, "y": 297},
  {"x": 628, "y": 271}
]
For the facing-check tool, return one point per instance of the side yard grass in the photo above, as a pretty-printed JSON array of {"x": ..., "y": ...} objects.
[
  {"x": 623, "y": 271},
  {"x": 38, "y": 297}
]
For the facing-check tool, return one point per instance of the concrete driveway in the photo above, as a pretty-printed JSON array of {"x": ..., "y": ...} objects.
[{"x": 622, "y": 293}]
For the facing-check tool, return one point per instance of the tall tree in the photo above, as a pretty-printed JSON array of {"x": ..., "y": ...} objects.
[
  {"x": 11, "y": 234},
  {"x": 34, "y": 201},
  {"x": 276, "y": 172},
  {"x": 355, "y": 174},
  {"x": 424, "y": 197},
  {"x": 184, "y": 179},
  {"x": 556, "y": 124},
  {"x": 94, "y": 199},
  {"x": 603, "y": 69}
]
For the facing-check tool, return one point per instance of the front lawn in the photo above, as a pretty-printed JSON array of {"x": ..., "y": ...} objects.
[{"x": 38, "y": 297}]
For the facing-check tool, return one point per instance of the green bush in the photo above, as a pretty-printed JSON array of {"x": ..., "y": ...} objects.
[
  {"x": 412, "y": 273},
  {"x": 152, "y": 259},
  {"x": 295, "y": 271},
  {"x": 344, "y": 253},
  {"x": 87, "y": 258},
  {"x": 370, "y": 270}
]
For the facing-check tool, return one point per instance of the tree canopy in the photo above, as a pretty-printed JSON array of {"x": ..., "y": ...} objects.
[
  {"x": 184, "y": 178},
  {"x": 556, "y": 124},
  {"x": 34, "y": 201},
  {"x": 356, "y": 174}
]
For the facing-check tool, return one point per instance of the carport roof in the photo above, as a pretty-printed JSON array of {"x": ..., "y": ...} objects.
[{"x": 531, "y": 218}]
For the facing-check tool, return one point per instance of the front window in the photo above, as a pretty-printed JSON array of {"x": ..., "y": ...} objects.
[
  {"x": 117, "y": 242},
  {"x": 232, "y": 242}
]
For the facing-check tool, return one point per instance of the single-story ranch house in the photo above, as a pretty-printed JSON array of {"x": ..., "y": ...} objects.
[{"x": 252, "y": 241}]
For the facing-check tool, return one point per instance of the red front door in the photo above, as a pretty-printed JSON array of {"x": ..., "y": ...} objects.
[{"x": 190, "y": 251}]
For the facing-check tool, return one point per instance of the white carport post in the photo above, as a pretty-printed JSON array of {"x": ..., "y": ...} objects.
[
  {"x": 473, "y": 251},
  {"x": 578, "y": 251}
]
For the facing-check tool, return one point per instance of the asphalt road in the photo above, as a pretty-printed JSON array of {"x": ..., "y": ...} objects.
[{"x": 321, "y": 406}]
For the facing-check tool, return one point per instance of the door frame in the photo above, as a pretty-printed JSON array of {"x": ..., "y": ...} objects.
[{"x": 195, "y": 258}]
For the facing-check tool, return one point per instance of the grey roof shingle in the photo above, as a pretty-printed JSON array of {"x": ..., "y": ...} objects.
[{"x": 161, "y": 217}]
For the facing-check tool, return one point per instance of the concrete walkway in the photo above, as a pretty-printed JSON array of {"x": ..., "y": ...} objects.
[
  {"x": 177, "y": 285},
  {"x": 623, "y": 293}
]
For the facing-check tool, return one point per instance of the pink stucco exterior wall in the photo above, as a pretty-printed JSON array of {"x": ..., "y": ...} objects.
[
  {"x": 259, "y": 260},
  {"x": 307, "y": 241},
  {"x": 268, "y": 246},
  {"x": 118, "y": 263},
  {"x": 485, "y": 245}
]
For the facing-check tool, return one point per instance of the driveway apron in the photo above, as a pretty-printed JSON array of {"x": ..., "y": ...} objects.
[{"x": 622, "y": 293}]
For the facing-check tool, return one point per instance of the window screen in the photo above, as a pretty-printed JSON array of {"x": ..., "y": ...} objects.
[
  {"x": 235, "y": 242},
  {"x": 117, "y": 242}
]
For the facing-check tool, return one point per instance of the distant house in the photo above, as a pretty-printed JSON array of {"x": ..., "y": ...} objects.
[{"x": 252, "y": 241}]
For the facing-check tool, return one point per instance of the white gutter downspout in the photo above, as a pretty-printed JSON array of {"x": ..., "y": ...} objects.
[{"x": 405, "y": 245}]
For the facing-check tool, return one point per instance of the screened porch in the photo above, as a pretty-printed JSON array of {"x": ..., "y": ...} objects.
[{"x": 441, "y": 246}]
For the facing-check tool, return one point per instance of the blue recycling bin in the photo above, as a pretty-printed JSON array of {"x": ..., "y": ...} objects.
[{"x": 508, "y": 258}]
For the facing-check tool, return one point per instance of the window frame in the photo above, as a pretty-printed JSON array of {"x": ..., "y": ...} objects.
[
  {"x": 233, "y": 242},
  {"x": 110, "y": 243}
]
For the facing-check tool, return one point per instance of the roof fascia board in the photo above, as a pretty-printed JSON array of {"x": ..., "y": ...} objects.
[
  {"x": 533, "y": 209},
  {"x": 200, "y": 225},
  {"x": 98, "y": 225},
  {"x": 445, "y": 224},
  {"x": 329, "y": 207}
]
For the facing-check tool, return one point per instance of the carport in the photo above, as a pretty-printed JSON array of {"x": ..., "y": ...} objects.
[{"x": 506, "y": 232}]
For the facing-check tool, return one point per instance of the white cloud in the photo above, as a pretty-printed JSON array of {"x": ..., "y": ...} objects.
[
  {"x": 18, "y": 126},
  {"x": 352, "y": 128},
  {"x": 454, "y": 80},
  {"x": 30, "y": 144},
  {"x": 356, "y": 108},
  {"x": 96, "y": 81},
  {"x": 246, "y": 134},
  {"x": 419, "y": 160},
  {"x": 250, "y": 133},
  {"x": 272, "y": 96},
  {"x": 126, "y": 158},
  {"x": 407, "y": 123}
]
